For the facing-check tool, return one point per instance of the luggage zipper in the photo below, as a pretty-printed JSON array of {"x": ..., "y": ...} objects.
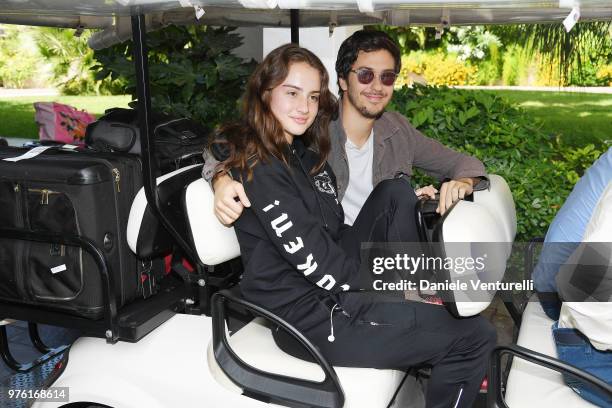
[
  {"x": 21, "y": 249},
  {"x": 44, "y": 194},
  {"x": 117, "y": 177}
]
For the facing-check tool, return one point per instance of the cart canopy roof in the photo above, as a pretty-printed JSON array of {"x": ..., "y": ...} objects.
[{"x": 275, "y": 13}]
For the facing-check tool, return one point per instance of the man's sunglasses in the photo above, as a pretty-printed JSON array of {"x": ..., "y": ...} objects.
[{"x": 365, "y": 76}]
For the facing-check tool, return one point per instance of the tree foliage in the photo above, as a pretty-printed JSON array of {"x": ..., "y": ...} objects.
[
  {"x": 573, "y": 53},
  {"x": 539, "y": 168},
  {"x": 71, "y": 61},
  {"x": 19, "y": 62},
  {"x": 580, "y": 57},
  {"x": 192, "y": 71}
]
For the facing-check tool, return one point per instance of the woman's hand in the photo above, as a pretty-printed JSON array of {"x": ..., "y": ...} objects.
[
  {"x": 230, "y": 199},
  {"x": 429, "y": 191}
]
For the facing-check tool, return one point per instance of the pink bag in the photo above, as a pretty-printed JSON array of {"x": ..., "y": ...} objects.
[{"x": 61, "y": 123}]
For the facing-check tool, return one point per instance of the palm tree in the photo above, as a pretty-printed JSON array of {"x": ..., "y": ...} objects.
[
  {"x": 71, "y": 59},
  {"x": 570, "y": 52}
]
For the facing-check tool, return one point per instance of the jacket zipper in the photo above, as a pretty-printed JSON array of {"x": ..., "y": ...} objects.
[
  {"x": 372, "y": 323},
  {"x": 117, "y": 177},
  {"x": 316, "y": 193}
]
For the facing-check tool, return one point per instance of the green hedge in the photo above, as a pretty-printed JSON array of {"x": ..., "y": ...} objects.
[
  {"x": 540, "y": 170},
  {"x": 192, "y": 72}
]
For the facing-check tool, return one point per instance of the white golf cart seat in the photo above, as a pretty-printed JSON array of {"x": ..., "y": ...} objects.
[
  {"x": 254, "y": 344},
  {"x": 497, "y": 199},
  {"x": 6, "y": 322},
  {"x": 532, "y": 385},
  {"x": 145, "y": 235},
  {"x": 484, "y": 227}
]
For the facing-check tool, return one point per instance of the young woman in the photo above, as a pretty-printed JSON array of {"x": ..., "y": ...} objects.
[{"x": 303, "y": 264}]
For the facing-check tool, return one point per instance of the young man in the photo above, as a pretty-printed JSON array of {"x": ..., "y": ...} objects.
[{"x": 368, "y": 144}]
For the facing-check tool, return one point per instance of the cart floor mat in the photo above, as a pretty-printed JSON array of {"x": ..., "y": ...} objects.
[
  {"x": 32, "y": 380},
  {"x": 22, "y": 350}
]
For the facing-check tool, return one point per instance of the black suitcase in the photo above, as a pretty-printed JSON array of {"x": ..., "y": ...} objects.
[{"x": 75, "y": 193}]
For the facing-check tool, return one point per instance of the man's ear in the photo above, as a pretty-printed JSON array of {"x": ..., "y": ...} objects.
[{"x": 343, "y": 84}]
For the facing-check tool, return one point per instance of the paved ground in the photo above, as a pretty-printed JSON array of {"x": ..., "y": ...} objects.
[
  {"x": 13, "y": 141},
  {"x": 10, "y": 93}
]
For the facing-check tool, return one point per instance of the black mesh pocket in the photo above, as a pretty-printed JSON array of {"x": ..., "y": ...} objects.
[
  {"x": 51, "y": 210},
  {"x": 11, "y": 215},
  {"x": 54, "y": 271}
]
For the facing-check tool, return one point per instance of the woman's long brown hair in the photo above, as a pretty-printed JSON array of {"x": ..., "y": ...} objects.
[{"x": 259, "y": 134}]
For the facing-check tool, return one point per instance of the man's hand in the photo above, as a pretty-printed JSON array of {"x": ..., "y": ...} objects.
[
  {"x": 227, "y": 208},
  {"x": 452, "y": 191},
  {"x": 429, "y": 191}
]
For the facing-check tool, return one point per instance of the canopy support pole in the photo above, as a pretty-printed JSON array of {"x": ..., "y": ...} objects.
[
  {"x": 295, "y": 26},
  {"x": 149, "y": 164}
]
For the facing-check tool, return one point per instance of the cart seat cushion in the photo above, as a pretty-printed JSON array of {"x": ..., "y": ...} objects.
[
  {"x": 214, "y": 242},
  {"x": 6, "y": 322},
  {"x": 530, "y": 385},
  {"x": 498, "y": 200},
  {"x": 146, "y": 237},
  {"x": 483, "y": 228},
  {"x": 363, "y": 387}
]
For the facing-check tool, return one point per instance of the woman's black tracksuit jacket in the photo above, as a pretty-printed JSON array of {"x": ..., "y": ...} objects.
[{"x": 302, "y": 263}]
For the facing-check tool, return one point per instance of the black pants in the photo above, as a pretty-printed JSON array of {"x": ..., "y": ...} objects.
[{"x": 374, "y": 330}]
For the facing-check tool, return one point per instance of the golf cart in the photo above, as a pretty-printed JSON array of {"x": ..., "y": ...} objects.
[{"x": 197, "y": 341}]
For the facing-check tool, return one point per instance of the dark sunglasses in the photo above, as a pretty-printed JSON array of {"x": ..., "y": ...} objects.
[{"x": 365, "y": 76}]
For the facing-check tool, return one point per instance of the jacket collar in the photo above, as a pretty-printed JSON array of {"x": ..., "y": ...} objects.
[{"x": 298, "y": 146}]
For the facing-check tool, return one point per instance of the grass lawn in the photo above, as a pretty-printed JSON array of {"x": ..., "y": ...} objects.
[
  {"x": 17, "y": 114},
  {"x": 580, "y": 118}
]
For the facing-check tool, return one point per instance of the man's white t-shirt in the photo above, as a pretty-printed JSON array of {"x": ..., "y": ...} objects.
[{"x": 360, "y": 177}]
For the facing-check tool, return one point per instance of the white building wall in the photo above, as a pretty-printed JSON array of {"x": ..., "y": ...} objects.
[
  {"x": 316, "y": 40},
  {"x": 258, "y": 42},
  {"x": 252, "y": 43}
]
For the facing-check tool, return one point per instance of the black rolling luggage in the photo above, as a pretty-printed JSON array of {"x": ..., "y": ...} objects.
[{"x": 73, "y": 193}]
